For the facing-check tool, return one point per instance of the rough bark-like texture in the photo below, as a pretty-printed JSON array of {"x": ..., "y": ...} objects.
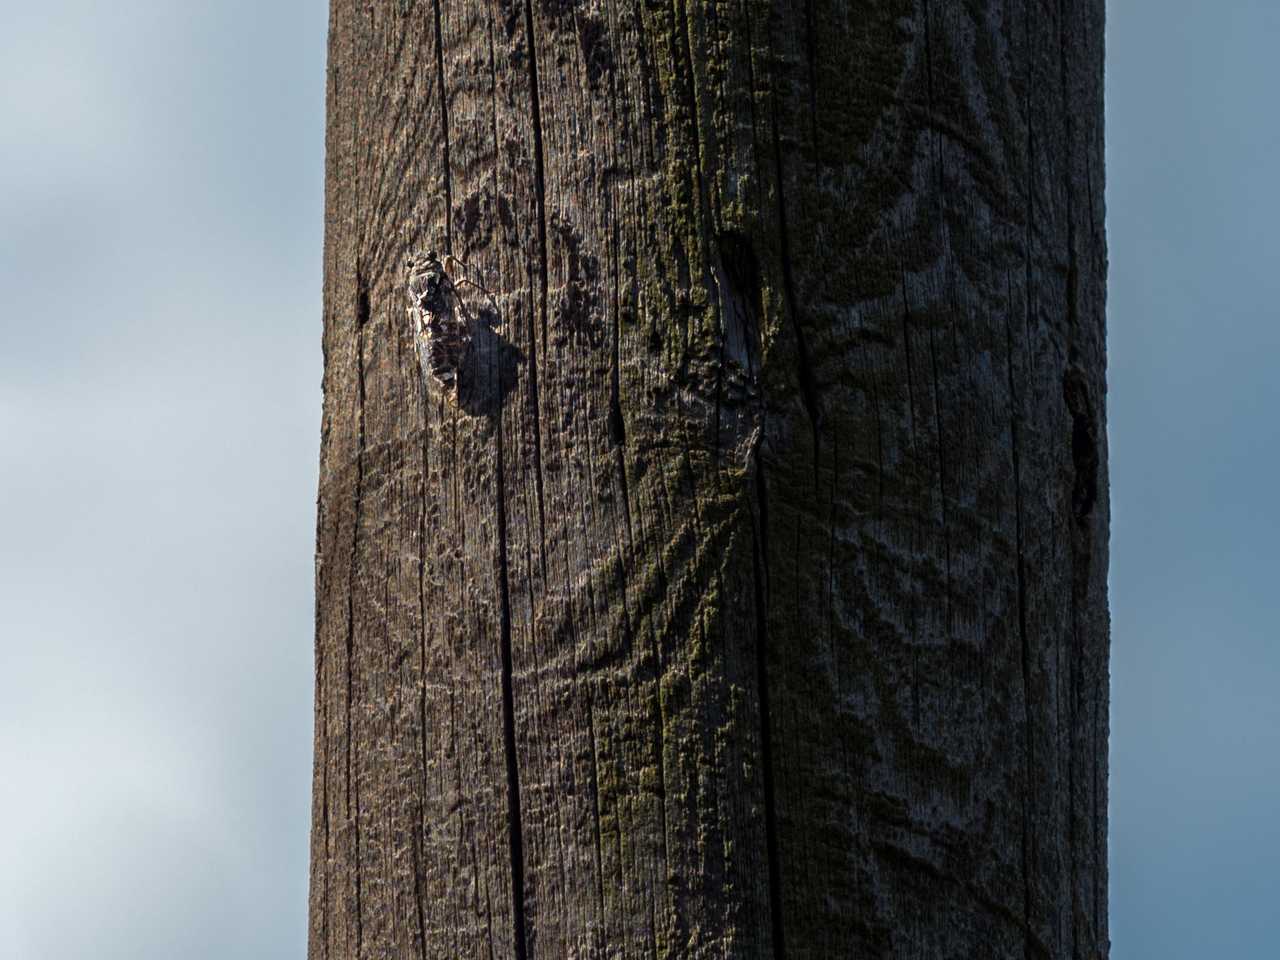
[{"x": 748, "y": 599}]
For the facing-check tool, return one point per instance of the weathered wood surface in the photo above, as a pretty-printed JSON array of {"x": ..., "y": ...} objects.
[{"x": 752, "y": 600}]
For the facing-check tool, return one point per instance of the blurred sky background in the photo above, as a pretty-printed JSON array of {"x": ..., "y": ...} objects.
[{"x": 160, "y": 233}]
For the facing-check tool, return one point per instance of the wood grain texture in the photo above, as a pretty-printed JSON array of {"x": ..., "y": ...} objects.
[{"x": 748, "y": 597}]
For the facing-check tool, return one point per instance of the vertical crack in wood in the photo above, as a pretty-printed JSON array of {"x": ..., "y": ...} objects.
[
  {"x": 598, "y": 815},
  {"x": 1025, "y": 646},
  {"x": 935, "y": 158},
  {"x": 353, "y": 772},
  {"x": 760, "y": 572},
  {"x": 420, "y": 831},
  {"x": 660, "y": 752},
  {"x": 617, "y": 426},
  {"x": 1074, "y": 669},
  {"x": 913, "y": 593},
  {"x": 1076, "y": 682},
  {"x": 1028, "y": 841},
  {"x": 813, "y": 87},
  {"x": 514, "y": 825},
  {"x": 488, "y": 906},
  {"x": 444, "y": 133},
  {"x": 752, "y": 91},
  {"x": 359, "y": 904},
  {"x": 807, "y": 390},
  {"x": 1097, "y": 819},
  {"x": 323, "y": 773},
  {"x": 831, "y": 557},
  {"x": 1082, "y": 560},
  {"x": 419, "y": 842},
  {"x": 681, "y": 23},
  {"x": 320, "y": 876},
  {"x": 906, "y": 347},
  {"x": 705, "y": 216},
  {"x": 323, "y": 710},
  {"x": 942, "y": 473},
  {"x": 540, "y": 198}
]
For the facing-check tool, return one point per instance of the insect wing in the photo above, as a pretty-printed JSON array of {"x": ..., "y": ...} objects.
[
  {"x": 440, "y": 331},
  {"x": 421, "y": 340}
]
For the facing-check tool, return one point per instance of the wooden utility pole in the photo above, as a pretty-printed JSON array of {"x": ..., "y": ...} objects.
[{"x": 746, "y": 596}]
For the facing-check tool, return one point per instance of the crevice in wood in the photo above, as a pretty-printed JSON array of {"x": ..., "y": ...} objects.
[
  {"x": 418, "y": 842},
  {"x": 328, "y": 849},
  {"x": 831, "y": 556},
  {"x": 760, "y": 572},
  {"x": 322, "y": 783},
  {"x": 1028, "y": 842},
  {"x": 488, "y": 909},
  {"x": 1075, "y": 386},
  {"x": 1098, "y": 821},
  {"x": 1085, "y": 458},
  {"x": 362, "y": 307},
  {"x": 681, "y": 23},
  {"x": 1075, "y": 683},
  {"x": 807, "y": 390},
  {"x": 659, "y": 714},
  {"x": 914, "y": 524},
  {"x": 940, "y": 186},
  {"x": 942, "y": 472},
  {"x": 752, "y": 91},
  {"x": 626, "y": 496},
  {"x": 813, "y": 86},
  {"x": 353, "y": 772},
  {"x": 596, "y": 809},
  {"x": 617, "y": 426},
  {"x": 359, "y": 887},
  {"x": 1025, "y": 646},
  {"x": 320, "y": 881},
  {"x": 514, "y": 825},
  {"x": 660, "y": 748},
  {"x": 719, "y": 398},
  {"x": 906, "y": 347},
  {"x": 540, "y": 198},
  {"x": 444, "y": 132},
  {"x": 680, "y": 26},
  {"x": 420, "y": 825}
]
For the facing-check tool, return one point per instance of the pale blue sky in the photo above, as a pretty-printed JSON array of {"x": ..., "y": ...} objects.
[
  {"x": 161, "y": 168},
  {"x": 1193, "y": 115},
  {"x": 160, "y": 231}
]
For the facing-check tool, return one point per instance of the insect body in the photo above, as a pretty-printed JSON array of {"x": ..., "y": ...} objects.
[{"x": 438, "y": 314}]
